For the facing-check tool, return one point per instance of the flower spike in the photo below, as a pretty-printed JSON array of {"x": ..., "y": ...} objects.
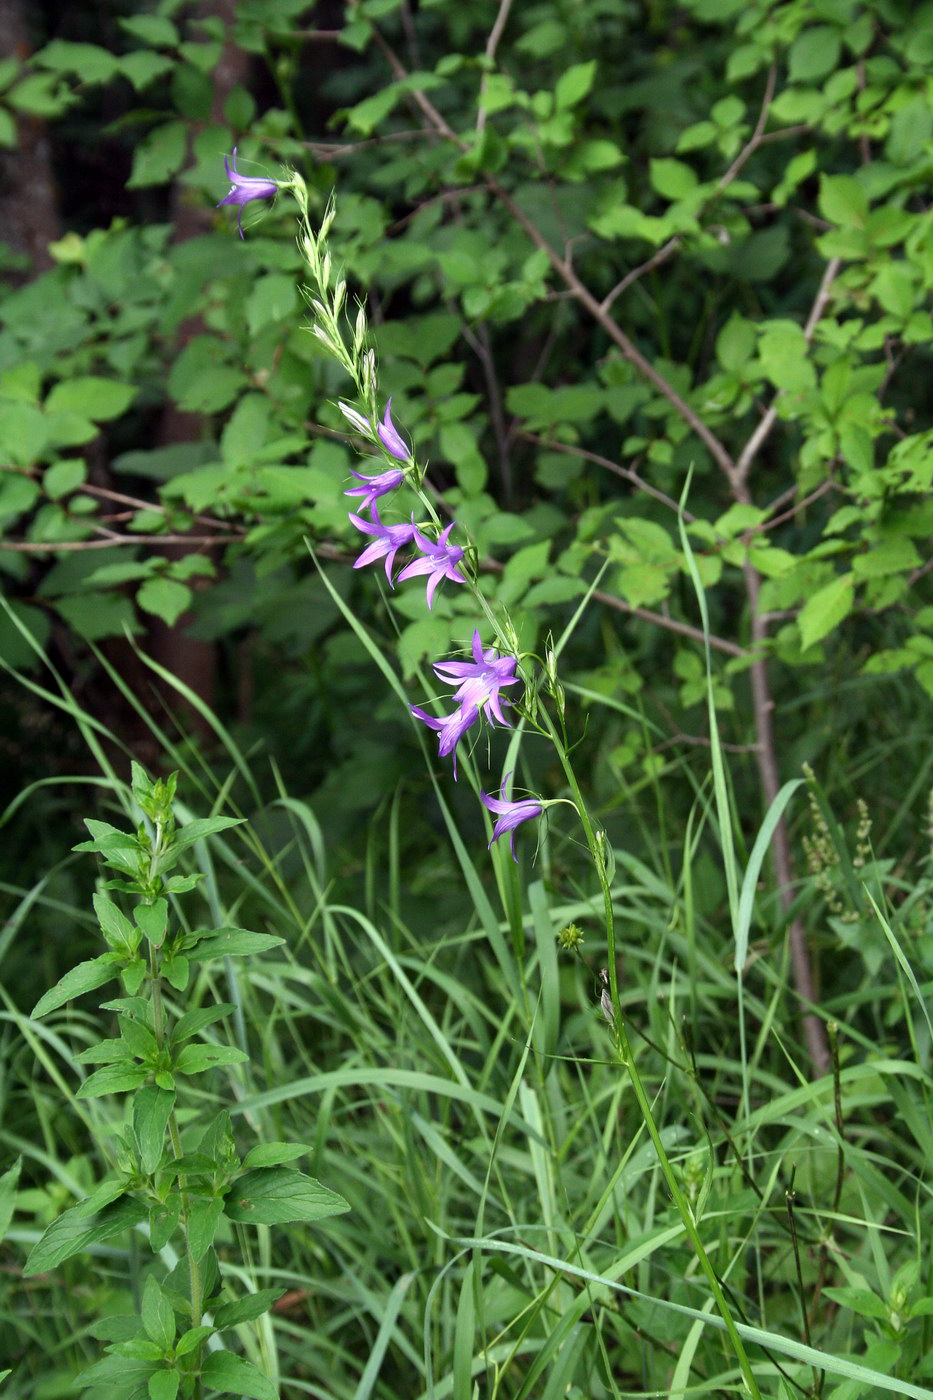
[{"x": 440, "y": 560}]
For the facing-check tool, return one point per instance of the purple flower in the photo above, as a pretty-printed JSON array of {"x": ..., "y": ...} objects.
[
  {"x": 510, "y": 815},
  {"x": 440, "y": 561},
  {"x": 390, "y": 438},
  {"x": 451, "y": 728},
  {"x": 243, "y": 188},
  {"x": 389, "y": 539},
  {"x": 481, "y": 679},
  {"x": 375, "y": 486}
]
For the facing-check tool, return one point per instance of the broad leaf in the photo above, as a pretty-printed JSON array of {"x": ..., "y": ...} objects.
[{"x": 277, "y": 1196}]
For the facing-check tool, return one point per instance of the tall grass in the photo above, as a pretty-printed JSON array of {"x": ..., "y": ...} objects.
[{"x": 511, "y": 1234}]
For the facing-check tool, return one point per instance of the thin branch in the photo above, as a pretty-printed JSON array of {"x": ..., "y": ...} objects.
[
  {"x": 580, "y": 291},
  {"x": 492, "y": 43},
  {"x": 625, "y": 472},
  {"x": 755, "y": 140},
  {"x": 111, "y": 542},
  {"x": 661, "y": 256}
]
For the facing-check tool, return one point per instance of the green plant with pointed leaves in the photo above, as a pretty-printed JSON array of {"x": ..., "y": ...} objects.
[{"x": 175, "y": 1181}]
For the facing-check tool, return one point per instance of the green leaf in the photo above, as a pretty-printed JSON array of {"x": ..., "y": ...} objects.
[
  {"x": 195, "y": 1059},
  {"x": 92, "y": 397},
  {"x": 113, "y": 1079},
  {"x": 159, "y": 156},
  {"x": 203, "y": 1219},
  {"x": 93, "y": 64},
  {"x": 152, "y": 1108},
  {"x": 735, "y": 344},
  {"x": 233, "y": 942},
  {"x": 843, "y": 201},
  {"x": 73, "y": 1232},
  {"x": 232, "y": 1375},
  {"x": 8, "y": 1184},
  {"x": 158, "y": 1315},
  {"x": 574, "y": 84},
  {"x": 814, "y": 53},
  {"x": 272, "y": 1154},
  {"x": 62, "y": 478},
  {"x": 78, "y": 980},
  {"x": 672, "y": 178},
  {"x": 120, "y": 934},
  {"x": 156, "y": 31},
  {"x": 164, "y": 597},
  {"x": 783, "y": 353},
  {"x": 277, "y": 1196},
  {"x": 246, "y": 1309},
  {"x": 163, "y": 1385},
  {"x": 124, "y": 1372},
  {"x": 194, "y": 1021},
  {"x": 204, "y": 826},
  {"x": 828, "y": 607},
  {"x": 888, "y": 557},
  {"x": 153, "y": 920}
]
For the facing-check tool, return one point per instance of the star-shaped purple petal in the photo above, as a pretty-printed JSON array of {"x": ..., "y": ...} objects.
[
  {"x": 439, "y": 560},
  {"x": 388, "y": 540},
  {"x": 481, "y": 679}
]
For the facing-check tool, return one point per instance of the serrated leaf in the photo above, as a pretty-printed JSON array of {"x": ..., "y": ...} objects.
[
  {"x": 277, "y": 1196},
  {"x": 78, "y": 980},
  {"x": 828, "y": 607},
  {"x": 233, "y": 1375},
  {"x": 72, "y": 1232},
  {"x": 122, "y": 1371}
]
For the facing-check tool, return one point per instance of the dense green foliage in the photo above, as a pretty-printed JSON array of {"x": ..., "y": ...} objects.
[{"x": 648, "y": 284}]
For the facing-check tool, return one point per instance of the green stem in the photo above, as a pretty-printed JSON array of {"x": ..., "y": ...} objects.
[
  {"x": 158, "y": 1029},
  {"x": 627, "y": 1058}
]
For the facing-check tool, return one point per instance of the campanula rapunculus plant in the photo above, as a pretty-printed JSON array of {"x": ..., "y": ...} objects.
[{"x": 244, "y": 188}]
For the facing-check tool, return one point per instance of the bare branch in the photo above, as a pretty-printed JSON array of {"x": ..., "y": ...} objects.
[
  {"x": 661, "y": 256},
  {"x": 492, "y": 43},
  {"x": 625, "y": 472}
]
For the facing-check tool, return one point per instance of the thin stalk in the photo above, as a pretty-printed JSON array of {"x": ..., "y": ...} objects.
[{"x": 627, "y": 1058}]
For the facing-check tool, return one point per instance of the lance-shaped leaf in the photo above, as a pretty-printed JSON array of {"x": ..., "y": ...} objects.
[
  {"x": 278, "y": 1196},
  {"x": 73, "y": 1232}
]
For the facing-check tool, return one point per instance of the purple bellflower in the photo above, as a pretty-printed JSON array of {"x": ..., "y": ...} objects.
[
  {"x": 451, "y": 728},
  {"x": 243, "y": 188},
  {"x": 439, "y": 560},
  {"x": 375, "y": 486},
  {"x": 510, "y": 815},
  {"x": 481, "y": 679},
  {"x": 390, "y": 437},
  {"x": 388, "y": 540}
]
